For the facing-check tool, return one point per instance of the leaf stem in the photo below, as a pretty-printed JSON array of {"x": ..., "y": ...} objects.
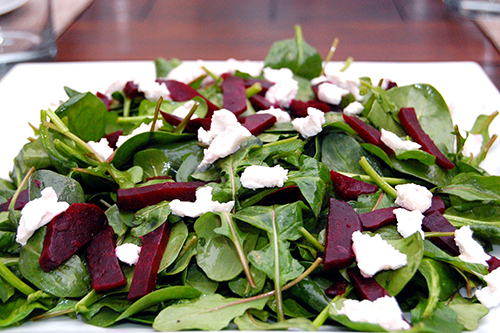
[
  {"x": 126, "y": 107},
  {"x": 184, "y": 121},
  {"x": 331, "y": 52},
  {"x": 20, "y": 188},
  {"x": 389, "y": 180},
  {"x": 254, "y": 89},
  {"x": 157, "y": 112},
  {"x": 377, "y": 179},
  {"x": 438, "y": 234},
  {"x": 239, "y": 250},
  {"x": 14, "y": 281},
  {"x": 89, "y": 299},
  {"x": 311, "y": 239}
]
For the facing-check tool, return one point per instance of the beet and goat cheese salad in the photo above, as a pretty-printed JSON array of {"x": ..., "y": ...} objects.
[{"x": 254, "y": 196}]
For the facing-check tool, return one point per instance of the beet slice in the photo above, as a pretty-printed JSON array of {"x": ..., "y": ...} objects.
[
  {"x": 493, "y": 263},
  {"x": 192, "y": 125},
  {"x": 131, "y": 90},
  {"x": 282, "y": 196},
  {"x": 348, "y": 188},
  {"x": 234, "y": 95},
  {"x": 378, "y": 218},
  {"x": 337, "y": 288},
  {"x": 366, "y": 288},
  {"x": 107, "y": 102},
  {"x": 258, "y": 123},
  {"x": 181, "y": 92},
  {"x": 104, "y": 267},
  {"x": 69, "y": 231},
  {"x": 437, "y": 204},
  {"x": 113, "y": 138},
  {"x": 367, "y": 133},
  {"x": 410, "y": 123},
  {"x": 436, "y": 222},
  {"x": 140, "y": 197},
  {"x": 146, "y": 269},
  {"x": 259, "y": 102},
  {"x": 22, "y": 199},
  {"x": 342, "y": 222},
  {"x": 298, "y": 109}
]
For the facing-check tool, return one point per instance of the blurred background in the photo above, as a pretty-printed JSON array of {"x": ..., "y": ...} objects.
[{"x": 368, "y": 30}]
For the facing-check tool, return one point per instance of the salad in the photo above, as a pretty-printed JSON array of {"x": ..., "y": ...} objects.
[{"x": 283, "y": 195}]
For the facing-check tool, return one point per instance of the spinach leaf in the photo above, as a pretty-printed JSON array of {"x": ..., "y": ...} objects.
[
  {"x": 176, "y": 239},
  {"x": 150, "y": 218},
  {"x": 164, "y": 66},
  {"x": 16, "y": 310},
  {"x": 210, "y": 312},
  {"x": 67, "y": 189},
  {"x": 295, "y": 54},
  {"x": 153, "y": 162},
  {"x": 71, "y": 279}
]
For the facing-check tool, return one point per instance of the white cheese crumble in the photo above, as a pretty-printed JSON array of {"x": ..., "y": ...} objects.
[
  {"x": 187, "y": 72},
  {"x": 260, "y": 176},
  {"x": 394, "y": 142},
  {"x": 489, "y": 296},
  {"x": 101, "y": 148},
  {"x": 353, "y": 109},
  {"x": 330, "y": 93},
  {"x": 281, "y": 116},
  {"x": 470, "y": 250},
  {"x": 128, "y": 253},
  {"x": 202, "y": 205},
  {"x": 311, "y": 125},
  {"x": 183, "y": 110},
  {"x": 221, "y": 119},
  {"x": 409, "y": 222},
  {"x": 37, "y": 213},
  {"x": 344, "y": 80},
  {"x": 473, "y": 144},
  {"x": 413, "y": 197},
  {"x": 374, "y": 254},
  {"x": 384, "y": 311},
  {"x": 153, "y": 90},
  {"x": 285, "y": 87},
  {"x": 224, "y": 144}
]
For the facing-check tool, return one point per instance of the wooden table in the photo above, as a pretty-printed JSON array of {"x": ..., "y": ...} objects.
[{"x": 377, "y": 30}]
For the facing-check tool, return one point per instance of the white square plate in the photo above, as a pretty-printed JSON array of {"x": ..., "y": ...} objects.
[{"x": 28, "y": 88}]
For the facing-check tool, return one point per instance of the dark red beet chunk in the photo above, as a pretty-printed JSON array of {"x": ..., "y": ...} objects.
[
  {"x": 107, "y": 102},
  {"x": 113, "y": 138},
  {"x": 338, "y": 288},
  {"x": 193, "y": 124},
  {"x": 342, "y": 222},
  {"x": 131, "y": 90},
  {"x": 282, "y": 196},
  {"x": 436, "y": 205},
  {"x": 378, "y": 218},
  {"x": 146, "y": 269},
  {"x": 366, "y": 132},
  {"x": 69, "y": 231},
  {"x": 410, "y": 123},
  {"x": 104, "y": 267},
  {"x": 234, "y": 95},
  {"x": 299, "y": 108},
  {"x": 366, "y": 288},
  {"x": 22, "y": 199},
  {"x": 436, "y": 222},
  {"x": 493, "y": 263},
  {"x": 259, "y": 102},
  {"x": 348, "y": 188},
  {"x": 139, "y": 197},
  {"x": 181, "y": 92},
  {"x": 258, "y": 123}
]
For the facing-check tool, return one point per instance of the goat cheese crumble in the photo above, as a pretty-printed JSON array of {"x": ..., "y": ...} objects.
[
  {"x": 101, "y": 148},
  {"x": 413, "y": 197},
  {"x": 409, "y": 222},
  {"x": 470, "y": 250},
  {"x": 374, "y": 254},
  {"x": 384, "y": 311},
  {"x": 202, "y": 205},
  {"x": 281, "y": 116},
  {"x": 285, "y": 87},
  {"x": 260, "y": 176},
  {"x": 311, "y": 125},
  {"x": 353, "y": 109},
  {"x": 128, "y": 253},
  {"x": 221, "y": 119},
  {"x": 394, "y": 142},
  {"x": 39, "y": 212},
  {"x": 330, "y": 93},
  {"x": 489, "y": 296}
]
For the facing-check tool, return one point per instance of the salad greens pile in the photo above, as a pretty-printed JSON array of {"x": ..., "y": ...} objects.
[{"x": 257, "y": 267}]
